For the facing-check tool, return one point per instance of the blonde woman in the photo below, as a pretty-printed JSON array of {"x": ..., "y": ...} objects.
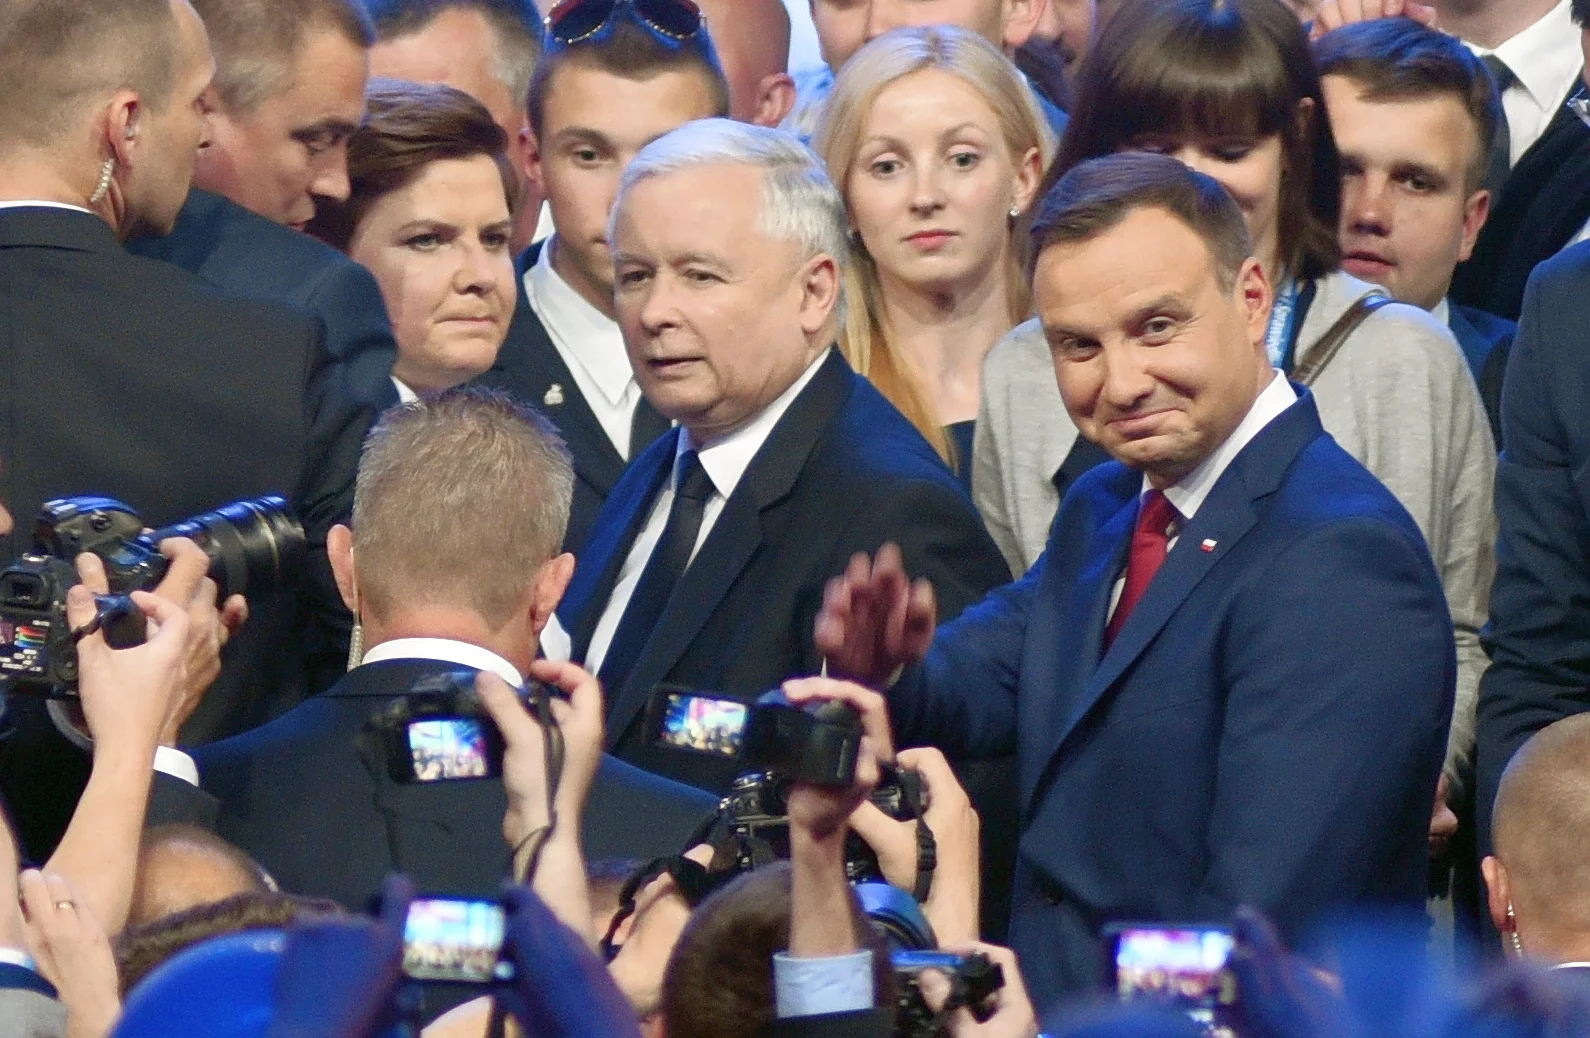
[{"x": 938, "y": 146}]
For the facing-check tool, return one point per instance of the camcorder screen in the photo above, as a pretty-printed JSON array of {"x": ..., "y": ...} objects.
[
  {"x": 455, "y": 939},
  {"x": 1185, "y": 966},
  {"x": 705, "y": 724},
  {"x": 448, "y": 748}
]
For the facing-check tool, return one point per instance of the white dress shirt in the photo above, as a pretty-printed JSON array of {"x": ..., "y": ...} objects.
[
  {"x": 1545, "y": 59},
  {"x": 1188, "y": 493},
  {"x": 405, "y": 394},
  {"x": 39, "y": 203},
  {"x": 725, "y": 463},
  {"x": 591, "y": 346},
  {"x": 442, "y": 650}
]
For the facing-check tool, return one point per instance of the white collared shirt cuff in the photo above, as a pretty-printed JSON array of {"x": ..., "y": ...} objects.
[
  {"x": 17, "y": 957},
  {"x": 814, "y": 987},
  {"x": 172, "y": 761}
]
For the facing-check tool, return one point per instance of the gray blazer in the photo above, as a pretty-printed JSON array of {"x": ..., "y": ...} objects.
[
  {"x": 28, "y": 1014},
  {"x": 1398, "y": 396}
]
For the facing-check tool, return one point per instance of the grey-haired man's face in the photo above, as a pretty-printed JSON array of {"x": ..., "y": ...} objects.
[{"x": 719, "y": 319}]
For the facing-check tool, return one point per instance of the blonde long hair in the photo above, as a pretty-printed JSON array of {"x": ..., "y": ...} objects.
[{"x": 891, "y": 57}]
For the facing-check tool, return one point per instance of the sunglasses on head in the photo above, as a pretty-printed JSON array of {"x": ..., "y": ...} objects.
[{"x": 576, "y": 20}]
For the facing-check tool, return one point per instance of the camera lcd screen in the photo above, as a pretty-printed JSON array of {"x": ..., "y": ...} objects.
[
  {"x": 455, "y": 939},
  {"x": 705, "y": 724},
  {"x": 1184, "y": 966},
  {"x": 448, "y": 748}
]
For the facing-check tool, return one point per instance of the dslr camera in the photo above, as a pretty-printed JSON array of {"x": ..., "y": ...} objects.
[
  {"x": 784, "y": 744},
  {"x": 974, "y": 979},
  {"x": 255, "y": 547}
]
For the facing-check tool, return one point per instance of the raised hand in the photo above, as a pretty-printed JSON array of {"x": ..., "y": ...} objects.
[{"x": 874, "y": 619}]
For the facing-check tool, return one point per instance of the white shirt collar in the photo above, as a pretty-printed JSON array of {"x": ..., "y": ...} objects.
[
  {"x": 1189, "y": 492},
  {"x": 445, "y": 650},
  {"x": 726, "y": 461},
  {"x": 1442, "y": 311},
  {"x": 587, "y": 334},
  {"x": 405, "y": 394},
  {"x": 1545, "y": 57},
  {"x": 16, "y": 956},
  {"x": 39, "y": 203}
]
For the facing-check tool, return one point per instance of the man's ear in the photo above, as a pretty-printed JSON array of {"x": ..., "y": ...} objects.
[
  {"x": 552, "y": 579},
  {"x": 1475, "y": 212},
  {"x": 1255, "y": 297},
  {"x": 775, "y": 96},
  {"x": 1021, "y": 18},
  {"x": 123, "y": 119},
  {"x": 819, "y": 280},
  {"x": 530, "y": 159},
  {"x": 1498, "y": 891},
  {"x": 339, "y": 549}
]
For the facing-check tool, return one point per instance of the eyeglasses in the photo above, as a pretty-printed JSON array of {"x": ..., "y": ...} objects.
[
  {"x": 576, "y": 20},
  {"x": 1580, "y": 106}
]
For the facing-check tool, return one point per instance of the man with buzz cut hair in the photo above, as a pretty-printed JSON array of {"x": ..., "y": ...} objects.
[
  {"x": 289, "y": 88},
  {"x": 125, "y": 377},
  {"x": 1414, "y": 114},
  {"x": 609, "y": 82},
  {"x": 486, "y": 48}
]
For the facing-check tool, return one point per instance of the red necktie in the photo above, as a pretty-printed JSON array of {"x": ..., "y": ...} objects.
[{"x": 1150, "y": 543}]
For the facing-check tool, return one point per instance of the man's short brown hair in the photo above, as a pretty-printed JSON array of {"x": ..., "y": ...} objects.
[
  {"x": 407, "y": 127},
  {"x": 719, "y": 982},
  {"x": 256, "y": 42},
  {"x": 460, "y": 499},
  {"x": 1397, "y": 59},
  {"x": 515, "y": 26},
  {"x": 59, "y": 58},
  {"x": 629, "y": 51},
  {"x": 1097, "y": 195}
]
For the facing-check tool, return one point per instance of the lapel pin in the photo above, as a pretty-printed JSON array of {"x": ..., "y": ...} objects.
[
  {"x": 1208, "y": 544},
  {"x": 554, "y": 395}
]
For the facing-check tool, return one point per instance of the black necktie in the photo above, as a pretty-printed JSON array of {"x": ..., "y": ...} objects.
[
  {"x": 647, "y": 424},
  {"x": 663, "y": 570},
  {"x": 1500, "y": 161}
]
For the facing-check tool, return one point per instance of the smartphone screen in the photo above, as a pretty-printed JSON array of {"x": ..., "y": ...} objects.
[
  {"x": 455, "y": 939},
  {"x": 705, "y": 724},
  {"x": 1185, "y": 966},
  {"x": 448, "y": 748}
]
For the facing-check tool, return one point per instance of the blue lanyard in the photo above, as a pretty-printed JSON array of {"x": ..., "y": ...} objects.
[{"x": 1283, "y": 323}]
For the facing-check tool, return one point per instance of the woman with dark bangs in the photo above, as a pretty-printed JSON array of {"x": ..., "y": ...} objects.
[{"x": 1230, "y": 88}]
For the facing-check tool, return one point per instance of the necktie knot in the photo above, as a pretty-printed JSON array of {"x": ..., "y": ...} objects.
[
  {"x": 1158, "y": 514},
  {"x": 1499, "y": 71},
  {"x": 1150, "y": 544},
  {"x": 692, "y": 480}
]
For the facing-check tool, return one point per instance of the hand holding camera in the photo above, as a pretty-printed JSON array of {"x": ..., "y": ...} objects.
[
  {"x": 1005, "y": 1013},
  {"x": 953, "y": 897},
  {"x": 821, "y": 811}
]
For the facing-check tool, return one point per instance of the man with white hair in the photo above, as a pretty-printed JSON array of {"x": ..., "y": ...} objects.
[{"x": 707, "y": 564}]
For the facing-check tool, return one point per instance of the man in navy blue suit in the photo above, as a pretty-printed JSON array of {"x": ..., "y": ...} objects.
[
  {"x": 1229, "y": 678},
  {"x": 1539, "y": 634}
]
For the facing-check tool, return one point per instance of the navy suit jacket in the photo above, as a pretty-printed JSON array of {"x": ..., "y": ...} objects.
[
  {"x": 1266, "y": 729},
  {"x": 247, "y": 256},
  {"x": 842, "y": 472},
  {"x": 530, "y": 368},
  {"x": 313, "y": 804},
  {"x": 1539, "y": 631},
  {"x": 1485, "y": 340}
]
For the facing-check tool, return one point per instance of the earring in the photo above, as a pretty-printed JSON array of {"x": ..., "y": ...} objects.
[
  {"x": 1014, "y": 212},
  {"x": 103, "y": 186},
  {"x": 1512, "y": 932}
]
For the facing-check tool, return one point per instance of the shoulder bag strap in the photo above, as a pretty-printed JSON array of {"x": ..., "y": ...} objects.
[{"x": 1326, "y": 346}]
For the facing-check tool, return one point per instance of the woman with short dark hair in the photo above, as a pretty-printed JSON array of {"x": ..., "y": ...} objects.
[{"x": 429, "y": 212}]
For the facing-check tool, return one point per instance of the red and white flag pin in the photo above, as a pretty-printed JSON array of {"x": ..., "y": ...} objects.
[{"x": 1208, "y": 544}]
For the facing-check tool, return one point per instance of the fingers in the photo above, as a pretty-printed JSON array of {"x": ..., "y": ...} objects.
[
  {"x": 579, "y": 684},
  {"x": 80, "y": 606},
  {"x": 189, "y": 564},
  {"x": 893, "y": 842},
  {"x": 234, "y": 614},
  {"x": 870, "y": 705},
  {"x": 1426, "y": 16},
  {"x": 502, "y": 703},
  {"x": 935, "y": 988},
  {"x": 91, "y": 571},
  {"x": 170, "y": 619}
]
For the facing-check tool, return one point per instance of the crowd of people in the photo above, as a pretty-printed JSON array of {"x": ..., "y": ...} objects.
[{"x": 780, "y": 551}]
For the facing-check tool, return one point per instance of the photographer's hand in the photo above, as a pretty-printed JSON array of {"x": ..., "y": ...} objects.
[
  {"x": 73, "y": 953},
  {"x": 560, "y": 874},
  {"x": 1333, "y": 14},
  {"x": 953, "y": 899},
  {"x": 127, "y": 696},
  {"x": 874, "y": 619},
  {"x": 822, "y": 923},
  {"x": 1013, "y": 1013}
]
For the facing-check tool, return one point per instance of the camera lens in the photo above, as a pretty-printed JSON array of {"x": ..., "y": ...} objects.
[{"x": 254, "y": 546}]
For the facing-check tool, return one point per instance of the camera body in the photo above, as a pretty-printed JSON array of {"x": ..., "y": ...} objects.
[
  {"x": 253, "y": 546},
  {"x": 973, "y": 980},
  {"x": 757, "y": 810},
  {"x": 440, "y": 731},
  {"x": 817, "y": 742}
]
